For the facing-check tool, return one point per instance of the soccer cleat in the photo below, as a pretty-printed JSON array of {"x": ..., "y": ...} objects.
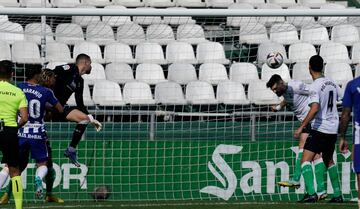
[
  {"x": 322, "y": 196},
  {"x": 309, "y": 198},
  {"x": 53, "y": 198},
  {"x": 338, "y": 199},
  {"x": 4, "y": 199},
  {"x": 39, "y": 189},
  {"x": 291, "y": 183},
  {"x": 71, "y": 154}
]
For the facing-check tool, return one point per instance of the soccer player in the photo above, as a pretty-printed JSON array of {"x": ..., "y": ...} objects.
[
  {"x": 324, "y": 119},
  {"x": 296, "y": 97},
  {"x": 351, "y": 102},
  {"x": 68, "y": 81},
  {"x": 12, "y": 101}
]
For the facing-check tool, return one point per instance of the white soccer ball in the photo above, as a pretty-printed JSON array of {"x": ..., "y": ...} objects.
[{"x": 274, "y": 60}]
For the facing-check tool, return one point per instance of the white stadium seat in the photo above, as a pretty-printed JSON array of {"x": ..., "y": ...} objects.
[
  {"x": 357, "y": 71},
  {"x": 118, "y": 52},
  {"x": 268, "y": 21},
  {"x": 259, "y": 94},
  {"x": 129, "y": 3},
  {"x": 97, "y": 73},
  {"x": 334, "y": 52},
  {"x": 283, "y": 3},
  {"x": 284, "y": 33},
  {"x": 100, "y": 33},
  {"x": 69, "y": 33},
  {"x": 267, "y": 72},
  {"x": 137, "y": 93},
  {"x": 301, "y": 21},
  {"x": 119, "y": 72},
  {"x": 65, "y": 3},
  {"x": 107, "y": 93},
  {"x": 160, "y": 3},
  {"x": 219, "y": 3},
  {"x": 5, "y": 52},
  {"x": 86, "y": 97},
  {"x": 331, "y": 21},
  {"x": 314, "y": 34},
  {"x": 355, "y": 53},
  {"x": 58, "y": 52},
  {"x": 312, "y": 3},
  {"x": 301, "y": 72},
  {"x": 9, "y": 3},
  {"x": 212, "y": 73},
  {"x": 268, "y": 47},
  {"x": 190, "y": 33},
  {"x": 29, "y": 56},
  {"x": 84, "y": 21},
  {"x": 146, "y": 20},
  {"x": 169, "y": 93},
  {"x": 200, "y": 92},
  {"x": 231, "y": 93},
  {"x": 241, "y": 21},
  {"x": 211, "y": 52},
  {"x": 175, "y": 20},
  {"x": 11, "y": 32},
  {"x": 33, "y": 33},
  {"x": 149, "y": 53},
  {"x": 340, "y": 72},
  {"x": 160, "y": 33},
  {"x": 255, "y": 3},
  {"x": 89, "y": 48},
  {"x": 244, "y": 72},
  {"x": 52, "y": 65},
  {"x": 130, "y": 33},
  {"x": 346, "y": 34},
  {"x": 191, "y": 3},
  {"x": 97, "y": 3},
  {"x": 181, "y": 73},
  {"x": 150, "y": 73},
  {"x": 3, "y": 18},
  {"x": 115, "y": 21},
  {"x": 180, "y": 52},
  {"x": 34, "y": 3},
  {"x": 301, "y": 52},
  {"x": 253, "y": 34}
]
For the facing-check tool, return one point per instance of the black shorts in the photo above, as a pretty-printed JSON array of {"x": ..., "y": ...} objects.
[
  {"x": 67, "y": 110},
  {"x": 307, "y": 129},
  {"x": 9, "y": 146},
  {"x": 321, "y": 143}
]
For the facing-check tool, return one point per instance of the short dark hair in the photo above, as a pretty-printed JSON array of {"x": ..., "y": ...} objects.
[
  {"x": 82, "y": 57},
  {"x": 316, "y": 63},
  {"x": 274, "y": 79},
  {"x": 32, "y": 71},
  {"x": 6, "y": 68}
]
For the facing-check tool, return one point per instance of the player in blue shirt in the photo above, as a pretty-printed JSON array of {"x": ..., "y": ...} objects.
[{"x": 351, "y": 102}]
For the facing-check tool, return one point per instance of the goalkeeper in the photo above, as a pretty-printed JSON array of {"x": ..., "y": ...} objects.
[
  {"x": 69, "y": 81},
  {"x": 296, "y": 97}
]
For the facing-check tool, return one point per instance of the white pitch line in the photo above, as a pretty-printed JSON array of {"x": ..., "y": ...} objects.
[{"x": 66, "y": 206}]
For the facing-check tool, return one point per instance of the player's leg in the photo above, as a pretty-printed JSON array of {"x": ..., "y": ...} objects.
[
  {"x": 320, "y": 176},
  {"x": 358, "y": 184},
  {"x": 4, "y": 175}
]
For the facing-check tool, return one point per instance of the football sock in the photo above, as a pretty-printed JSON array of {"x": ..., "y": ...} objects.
[
  {"x": 308, "y": 175},
  {"x": 320, "y": 172},
  {"x": 4, "y": 174},
  {"x": 41, "y": 171},
  {"x": 77, "y": 134},
  {"x": 297, "y": 172},
  {"x": 17, "y": 191},
  {"x": 334, "y": 178},
  {"x": 49, "y": 179}
]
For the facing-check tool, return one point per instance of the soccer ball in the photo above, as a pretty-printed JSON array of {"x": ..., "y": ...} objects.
[
  {"x": 101, "y": 193},
  {"x": 274, "y": 60}
]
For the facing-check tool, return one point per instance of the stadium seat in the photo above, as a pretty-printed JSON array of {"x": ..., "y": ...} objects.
[
  {"x": 52, "y": 65},
  {"x": 5, "y": 52},
  {"x": 243, "y": 72},
  {"x": 300, "y": 72},
  {"x": 84, "y": 21},
  {"x": 137, "y": 93},
  {"x": 283, "y": 3},
  {"x": 69, "y": 33},
  {"x": 268, "y": 47},
  {"x": 341, "y": 73},
  {"x": 11, "y": 32},
  {"x": 34, "y": 3},
  {"x": 58, "y": 52},
  {"x": 334, "y": 52},
  {"x": 346, "y": 34},
  {"x": 130, "y": 33},
  {"x": 357, "y": 71},
  {"x": 191, "y": 3},
  {"x": 169, "y": 93},
  {"x": 301, "y": 52},
  {"x": 231, "y": 93},
  {"x": 160, "y": 3},
  {"x": 146, "y": 20},
  {"x": 181, "y": 73},
  {"x": 212, "y": 73},
  {"x": 65, "y": 3},
  {"x": 174, "y": 20},
  {"x": 331, "y": 21},
  {"x": 3, "y": 18},
  {"x": 86, "y": 97},
  {"x": 253, "y": 34},
  {"x": 299, "y": 22},
  {"x": 119, "y": 72},
  {"x": 190, "y": 33},
  {"x": 33, "y": 33},
  {"x": 118, "y": 52},
  {"x": 312, "y": 3},
  {"x": 355, "y": 53},
  {"x": 89, "y": 48},
  {"x": 9, "y": 3},
  {"x": 267, "y": 72},
  {"x": 97, "y": 73},
  {"x": 211, "y": 52},
  {"x": 107, "y": 93},
  {"x": 219, "y": 3},
  {"x": 200, "y": 92},
  {"x": 241, "y": 21},
  {"x": 149, "y": 73},
  {"x": 268, "y": 21},
  {"x": 129, "y": 3},
  {"x": 149, "y": 53},
  {"x": 100, "y": 33},
  {"x": 284, "y": 33},
  {"x": 115, "y": 21},
  {"x": 97, "y": 3},
  {"x": 255, "y": 3},
  {"x": 259, "y": 94},
  {"x": 314, "y": 34},
  {"x": 180, "y": 52},
  {"x": 160, "y": 33},
  {"x": 25, "y": 52}
]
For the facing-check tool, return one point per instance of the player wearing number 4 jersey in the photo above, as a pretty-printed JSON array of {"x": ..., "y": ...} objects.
[{"x": 324, "y": 119}]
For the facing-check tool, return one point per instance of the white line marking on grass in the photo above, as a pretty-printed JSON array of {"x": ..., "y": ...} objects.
[{"x": 67, "y": 206}]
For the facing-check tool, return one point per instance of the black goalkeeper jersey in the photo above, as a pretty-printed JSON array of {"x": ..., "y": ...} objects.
[{"x": 68, "y": 81}]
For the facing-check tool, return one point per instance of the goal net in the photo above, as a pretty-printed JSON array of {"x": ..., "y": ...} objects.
[{"x": 182, "y": 97}]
